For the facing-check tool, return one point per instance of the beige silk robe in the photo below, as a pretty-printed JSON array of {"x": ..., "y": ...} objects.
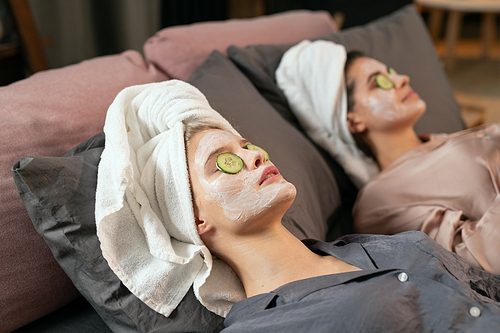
[{"x": 448, "y": 188}]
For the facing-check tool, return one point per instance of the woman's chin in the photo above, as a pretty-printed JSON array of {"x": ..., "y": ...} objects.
[
  {"x": 285, "y": 198},
  {"x": 279, "y": 205},
  {"x": 288, "y": 192}
]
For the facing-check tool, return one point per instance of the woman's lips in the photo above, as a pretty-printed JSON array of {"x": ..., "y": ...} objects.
[
  {"x": 410, "y": 94},
  {"x": 270, "y": 173}
]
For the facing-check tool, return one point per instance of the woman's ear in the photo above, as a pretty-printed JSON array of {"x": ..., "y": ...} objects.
[
  {"x": 202, "y": 226},
  {"x": 355, "y": 123}
]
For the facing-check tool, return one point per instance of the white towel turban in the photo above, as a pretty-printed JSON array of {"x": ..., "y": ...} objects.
[
  {"x": 144, "y": 212},
  {"x": 311, "y": 75}
]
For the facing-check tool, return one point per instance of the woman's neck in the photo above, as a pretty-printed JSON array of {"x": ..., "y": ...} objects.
[
  {"x": 269, "y": 261},
  {"x": 390, "y": 146}
]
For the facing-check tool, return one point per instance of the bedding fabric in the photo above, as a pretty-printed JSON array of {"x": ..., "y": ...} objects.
[
  {"x": 449, "y": 188},
  {"x": 59, "y": 194},
  {"x": 78, "y": 316},
  {"x": 408, "y": 284}
]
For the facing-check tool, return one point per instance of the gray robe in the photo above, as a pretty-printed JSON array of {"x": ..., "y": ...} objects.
[{"x": 408, "y": 283}]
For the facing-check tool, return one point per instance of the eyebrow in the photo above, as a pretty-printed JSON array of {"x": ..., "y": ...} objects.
[{"x": 224, "y": 148}]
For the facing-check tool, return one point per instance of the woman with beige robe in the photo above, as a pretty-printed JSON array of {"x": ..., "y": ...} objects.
[{"x": 444, "y": 185}]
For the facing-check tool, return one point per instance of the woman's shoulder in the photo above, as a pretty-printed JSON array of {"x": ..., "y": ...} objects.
[
  {"x": 407, "y": 167},
  {"x": 433, "y": 141},
  {"x": 402, "y": 249},
  {"x": 492, "y": 129}
]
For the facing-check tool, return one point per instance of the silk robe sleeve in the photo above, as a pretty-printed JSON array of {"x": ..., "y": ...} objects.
[{"x": 448, "y": 188}]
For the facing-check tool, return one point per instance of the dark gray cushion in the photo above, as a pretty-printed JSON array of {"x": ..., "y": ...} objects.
[
  {"x": 59, "y": 194},
  {"x": 77, "y": 316},
  {"x": 400, "y": 40}
]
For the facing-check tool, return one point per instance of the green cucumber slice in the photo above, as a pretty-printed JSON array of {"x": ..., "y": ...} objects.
[
  {"x": 391, "y": 71},
  {"x": 254, "y": 147},
  {"x": 384, "y": 82},
  {"x": 229, "y": 163}
]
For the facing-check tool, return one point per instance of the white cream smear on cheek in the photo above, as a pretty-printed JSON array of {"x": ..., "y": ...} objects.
[
  {"x": 237, "y": 193},
  {"x": 384, "y": 108}
]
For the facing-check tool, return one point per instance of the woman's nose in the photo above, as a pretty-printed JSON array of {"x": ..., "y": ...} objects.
[
  {"x": 400, "y": 80},
  {"x": 254, "y": 158}
]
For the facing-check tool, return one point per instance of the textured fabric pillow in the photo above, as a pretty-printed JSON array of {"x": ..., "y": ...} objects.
[
  {"x": 48, "y": 114},
  {"x": 179, "y": 50},
  {"x": 59, "y": 195},
  {"x": 400, "y": 40},
  {"x": 76, "y": 317}
]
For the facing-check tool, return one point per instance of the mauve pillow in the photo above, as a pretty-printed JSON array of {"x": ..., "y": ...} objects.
[
  {"x": 179, "y": 50},
  {"x": 48, "y": 114}
]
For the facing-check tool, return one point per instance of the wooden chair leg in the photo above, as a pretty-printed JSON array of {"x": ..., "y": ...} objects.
[
  {"x": 452, "y": 34},
  {"x": 488, "y": 32},
  {"x": 28, "y": 32},
  {"x": 435, "y": 22}
]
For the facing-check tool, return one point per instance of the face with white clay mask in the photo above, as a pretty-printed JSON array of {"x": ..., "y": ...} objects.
[
  {"x": 382, "y": 99},
  {"x": 234, "y": 198}
]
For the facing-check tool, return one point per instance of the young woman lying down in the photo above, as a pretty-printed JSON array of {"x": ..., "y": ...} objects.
[
  {"x": 444, "y": 185},
  {"x": 184, "y": 201}
]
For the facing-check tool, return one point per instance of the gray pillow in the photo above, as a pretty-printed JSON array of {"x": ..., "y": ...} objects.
[
  {"x": 400, "y": 40},
  {"x": 59, "y": 194}
]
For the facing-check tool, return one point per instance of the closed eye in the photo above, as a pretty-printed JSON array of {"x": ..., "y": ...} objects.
[{"x": 371, "y": 78}]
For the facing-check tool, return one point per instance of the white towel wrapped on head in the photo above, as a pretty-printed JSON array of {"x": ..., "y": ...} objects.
[
  {"x": 311, "y": 75},
  {"x": 144, "y": 211}
]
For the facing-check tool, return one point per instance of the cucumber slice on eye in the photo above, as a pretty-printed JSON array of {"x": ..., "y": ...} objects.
[
  {"x": 391, "y": 71},
  {"x": 254, "y": 147},
  {"x": 384, "y": 82},
  {"x": 229, "y": 163}
]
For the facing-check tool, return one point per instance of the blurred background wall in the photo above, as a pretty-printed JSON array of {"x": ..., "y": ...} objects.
[
  {"x": 82, "y": 29},
  {"x": 75, "y": 30}
]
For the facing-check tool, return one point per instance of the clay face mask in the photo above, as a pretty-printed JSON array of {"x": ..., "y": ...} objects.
[
  {"x": 239, "y": 194},
  {"x": 382, "y": 105},
  {"x": 384, "y": 108}
]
